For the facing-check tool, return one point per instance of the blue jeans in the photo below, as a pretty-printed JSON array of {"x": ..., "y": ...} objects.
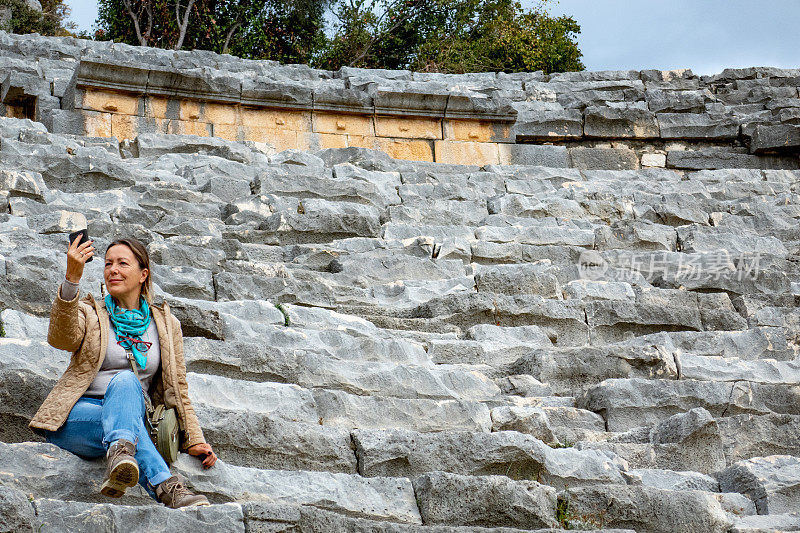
[{"x": 95, "y": 424}]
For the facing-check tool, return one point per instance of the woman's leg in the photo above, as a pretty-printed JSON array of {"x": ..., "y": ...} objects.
[
  {"x": 123, "y": 417},
  {"x": 82, "y": 433}
]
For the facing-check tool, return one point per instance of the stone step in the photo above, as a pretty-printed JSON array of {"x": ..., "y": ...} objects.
[
  {"x": 67, "y": 477},
  {"x": 399, "y": 453},
  {"x": 629, "y": 403},
  {"x": 312, "y": 370}
]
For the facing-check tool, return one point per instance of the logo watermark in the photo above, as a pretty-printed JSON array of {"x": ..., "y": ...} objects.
[{"x": 677, "y": 266}]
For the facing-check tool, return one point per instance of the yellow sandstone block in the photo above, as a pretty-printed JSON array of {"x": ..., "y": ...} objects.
[
  {"x": 229, "y": 132},
  {"x": 408, "y": 128},
  {"x": 220, "y": 113},
  {"x": 15, "y": 111},
  {"x": 124, "y": 126},
  {"x": 108, "y": 101},
  {"x": 97, "y": 124},
  {"x": 466, "y": 153},
  {"x": 155, "y": 107},
  {"x": 276, "y": 119},
  {"x": 187, "y": 127},
  {"x": 330, "y": 140},
  {"x": 189, "y": 110},
  {"x": 343, "y": 124},
  {"x": 362, "y": 141},
  {"x": 477, "y": 131},
  {"x": 281, "y": 140},
  {"x": 411, "y": 150}
]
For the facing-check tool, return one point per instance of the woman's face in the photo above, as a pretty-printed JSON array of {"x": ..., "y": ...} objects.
[{"x": 122, "y": 274}]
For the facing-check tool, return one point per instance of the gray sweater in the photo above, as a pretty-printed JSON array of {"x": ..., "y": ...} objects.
[{"x": 116, "y": 358}]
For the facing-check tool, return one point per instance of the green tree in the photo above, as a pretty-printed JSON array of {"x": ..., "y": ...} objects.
[
  {"x": 49, "y": 21},
  {"x": 285, "y": 31},
  {"x": 451, "y": 36}
]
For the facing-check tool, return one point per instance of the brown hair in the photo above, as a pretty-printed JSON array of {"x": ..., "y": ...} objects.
[{"x": 141, "y": 255}]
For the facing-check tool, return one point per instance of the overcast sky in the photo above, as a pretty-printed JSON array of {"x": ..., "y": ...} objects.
[{"x": 704, "y": 35}]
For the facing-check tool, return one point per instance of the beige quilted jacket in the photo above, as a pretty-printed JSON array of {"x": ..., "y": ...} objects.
[{"x": 82, "y": 327}]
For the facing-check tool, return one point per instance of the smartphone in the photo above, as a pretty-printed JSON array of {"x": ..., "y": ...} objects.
[{"x": 84, "y": 233}]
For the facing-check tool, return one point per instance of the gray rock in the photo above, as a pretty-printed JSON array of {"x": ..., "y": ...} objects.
[
  {"x": 75, "y": 517},
  {"x": 717, "y": 159},
  {"x": 670, "y": 480},
  {"x": 570, "y": 370},
  {"x": 529, "y": 420},
  {"x": 488, "y": 501},
  {"x": 340, "y": 409},
  {"x": 644, "y": 509},
  {"x": 785, "y": 137},
  {"x": 533, "y": 155},
  {"x": 603, "y": 158},
  {"x": 746, "y": 436},
  {"x": 619, "y": 122},
  {"x": 16, "y": 512},
  {"x": 771, "y": 482},
  {"x": 773, "y": 522},
  {"x": 697, "y": 126},
  {"x": 628, "y": 403},
  {"x": 378, "y": 498},
  {"x": 558, "y": 124}
]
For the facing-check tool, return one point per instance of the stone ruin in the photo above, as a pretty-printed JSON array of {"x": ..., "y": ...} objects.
[{"x": 420, "y": 302}]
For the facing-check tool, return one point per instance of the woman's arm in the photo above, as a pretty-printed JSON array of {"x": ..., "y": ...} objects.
[
  {"x": 67, "y": 321},
  {"x": 193, "y": 433}
]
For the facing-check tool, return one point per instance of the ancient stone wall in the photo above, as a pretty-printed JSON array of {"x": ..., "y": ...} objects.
[
  {"x": 741, "y": 118},
  {"x": 604, "y": 334}
]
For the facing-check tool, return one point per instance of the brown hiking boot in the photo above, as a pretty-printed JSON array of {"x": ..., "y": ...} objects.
[
  {"x": 122, "y": 470},
  {"x": 173, "y": 493}
]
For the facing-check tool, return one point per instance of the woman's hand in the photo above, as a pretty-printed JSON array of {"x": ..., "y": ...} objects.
[
  {"x": 77, "y": 257},
  {"x": 205, "y": 453}
]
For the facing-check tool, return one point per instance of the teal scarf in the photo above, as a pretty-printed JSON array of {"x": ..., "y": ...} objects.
[{"x": 130, "y": 323}]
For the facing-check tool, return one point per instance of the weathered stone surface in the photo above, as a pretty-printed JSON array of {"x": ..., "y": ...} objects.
[
  {"x": 628, "y": 403},
  {"x": 772, "y": 482},
  {"x": 645, "y": 509},
  {"x": 717, "y": 159},
  {"x": 603, "y": 158},
  {"x": 619, "y": 122},
  {"x": 747, "y": 436},
  {"x": 697, "y": 126},
  {"x": 78, "y": 516},
  {"x": 16, "y": 512},
  {"x": 775, "y": 138},
  {"x": 484, "y": 501},
  {"x": 380, "y": 498}
]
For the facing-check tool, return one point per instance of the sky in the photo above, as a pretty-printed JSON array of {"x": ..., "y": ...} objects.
[{"x": 704, "y": 35}]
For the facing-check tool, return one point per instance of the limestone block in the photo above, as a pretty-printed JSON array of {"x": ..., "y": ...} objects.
[
  {"x": 619, "y": 122},
  {"x": 473, "y": 153},
  {"x": 550, "y": 125},
  {"x": 340, "y": 409},
  {"x": 654, "y": 160},
  {"x": 697, "y": 126},
  {"x": 645, "y": 509},
  {"x": 571, "y": 369},
  {"x": 331, "y": 140},
  {"x": 534, "y": 155},
  {"x": 715, "y": 159},
  {"x": 16, "y": 512},
  {"x": 746, "y": 436},
  {"x": 488, "y": 501},
  {"x": 772, "y": 482},
  {"x": 159, "y": 107},
  {"x": 408, "y": 127},
  {"x": 380, "y": 498},
  {"x": 603, "y": 158},
  {"x": 528, "y": 420},
  {"x": 785, "y": 137},
  {"x": 675, "y": 101},
  {"x": 74, "y": 517}
]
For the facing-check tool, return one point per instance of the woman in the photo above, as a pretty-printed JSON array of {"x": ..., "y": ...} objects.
[{"x": 97, "y": 407}]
